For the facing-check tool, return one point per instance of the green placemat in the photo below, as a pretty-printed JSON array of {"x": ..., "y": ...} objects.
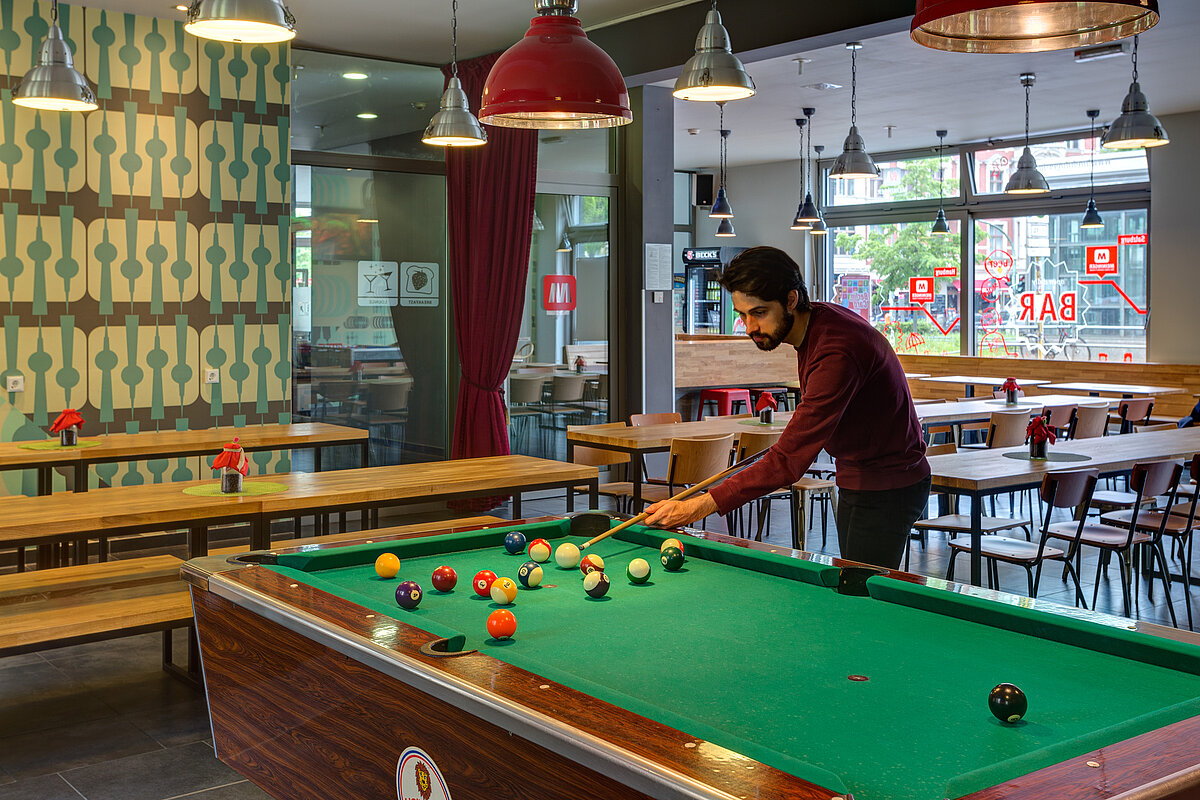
[
  {"x": 756, "y": 424},
  {"x": 52, "y": 444},
  {"x": 249, "y": 488},
  {"x": 1050, "y": 456}
]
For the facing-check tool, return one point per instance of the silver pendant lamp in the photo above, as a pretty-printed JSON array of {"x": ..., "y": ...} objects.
[
  {"x": 818, "y": 228},
  {"x": 246, "y": 21},
  {"x": 855, "y": 161},
  {"x": 721, "y": 208},
  {"x": 1027, "y": 179},
  {"x": 1136, "y": 127},
  {"x": 714, "y": 73},
  {"x": 1091, "y": 215},
  {"x": 53, "y": 84},
  {"x": 940, "y": 226},
  {"x": 454, "y": 125},
  {"x": 798, "y": 223}
]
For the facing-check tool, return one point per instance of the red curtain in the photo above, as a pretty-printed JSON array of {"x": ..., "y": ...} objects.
[{"x": 490, "y": 193}]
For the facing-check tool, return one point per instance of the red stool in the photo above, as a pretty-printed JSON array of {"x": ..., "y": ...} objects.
[
  {"x": 780, "y": 394},
  {"x": 724, "y": 400}
]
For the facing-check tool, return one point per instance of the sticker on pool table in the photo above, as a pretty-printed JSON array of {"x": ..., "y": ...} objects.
[{"x": 418, "y": 778}]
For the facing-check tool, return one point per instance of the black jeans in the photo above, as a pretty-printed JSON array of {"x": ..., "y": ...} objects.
[{"x": 873, "y": 527}]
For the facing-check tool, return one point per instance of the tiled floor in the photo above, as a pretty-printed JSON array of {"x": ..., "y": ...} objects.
[{"x": 104, "y": 722}]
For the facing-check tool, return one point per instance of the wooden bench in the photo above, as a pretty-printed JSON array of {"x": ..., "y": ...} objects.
[{"x": 50, "y": 608}]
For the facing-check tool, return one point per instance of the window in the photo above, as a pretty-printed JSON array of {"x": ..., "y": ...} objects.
[
  {"x": 904, "y": 179},
  {"x": 1066, "y": 165}
]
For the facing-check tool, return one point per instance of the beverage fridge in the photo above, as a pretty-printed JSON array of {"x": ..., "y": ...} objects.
[{"x": 707, "y": 307}]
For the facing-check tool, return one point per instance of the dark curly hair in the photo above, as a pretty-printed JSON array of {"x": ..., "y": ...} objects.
[{"x": 767, "y": 273}]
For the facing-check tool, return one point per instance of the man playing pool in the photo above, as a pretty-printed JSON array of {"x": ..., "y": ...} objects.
[{"x": 854, "y": 404}]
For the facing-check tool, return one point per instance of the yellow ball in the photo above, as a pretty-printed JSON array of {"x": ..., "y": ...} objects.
[
  {"x": 567, "y": 555},
  {"x": 504, "y": 591},
  {"x": 670, "y": 543},
  {"x": 387, "y": 565}
]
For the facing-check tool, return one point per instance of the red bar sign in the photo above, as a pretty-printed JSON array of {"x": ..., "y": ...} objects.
[
  {"x": 945, "y": 272},
  {"x": 1102, "y": 261},
  {"x": 1133, "y": 238},
  {"x": 920, "y": 290},
  {"x": 558, "y": 292}
]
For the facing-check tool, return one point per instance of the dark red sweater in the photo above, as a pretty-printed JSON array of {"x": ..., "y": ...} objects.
[{"x": 854, "y": 403}]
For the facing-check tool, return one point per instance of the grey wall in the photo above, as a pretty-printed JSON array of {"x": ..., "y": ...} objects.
[{"x": 1174, "y": 264}]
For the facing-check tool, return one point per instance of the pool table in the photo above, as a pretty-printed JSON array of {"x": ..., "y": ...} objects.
[{"x": 752, "y": 672}]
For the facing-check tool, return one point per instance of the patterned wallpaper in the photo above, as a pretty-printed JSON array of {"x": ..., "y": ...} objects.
[{"x": 146, "y": 241}]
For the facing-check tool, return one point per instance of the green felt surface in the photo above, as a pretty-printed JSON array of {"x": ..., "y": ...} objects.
[
  {"x": 249, "y": 489},
  {"x": 53, "y": 444},
  {"x": 752, "y": 652}
]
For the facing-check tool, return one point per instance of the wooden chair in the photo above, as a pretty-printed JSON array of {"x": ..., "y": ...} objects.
[
  {"x": 811, "y": 490},
  {"x": 663, "y": 418},
  {"x": 691, "y": 461},
  {"x": 1148, "y": 479},
  {"x": 1059, "y": 490},
  {"x": 1133, "y": 412},
  {"x": 1062, "y": 418},
  {"x": 1005, "y": 429},
  {"x": 620, "y": 491},
  {"x": 751, "y": 443},
  {"x": 524, "y": 404},
  {"x": 387, "y": 405},
  {"x": 1090, "y": 422},
  {"x": 1175, "y": 522}
]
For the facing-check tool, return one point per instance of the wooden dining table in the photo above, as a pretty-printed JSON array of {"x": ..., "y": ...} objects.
[
  {"x": 969, "y": 382},
  {"x": 1096, "y": 389},
  {"x": 178, "y": 444},
  {"x": 978, "y": 474},
  {"x": 121, "y": 510}
]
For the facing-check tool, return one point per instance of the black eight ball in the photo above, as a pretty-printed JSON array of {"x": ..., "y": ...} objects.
[{"x": 1007, "y": 702}]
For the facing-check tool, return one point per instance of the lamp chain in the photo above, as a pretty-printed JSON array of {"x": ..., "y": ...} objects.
[
  {"x": 54, "y": 21},
  {"x": 1092, "y": 163},
  {"x": 1135, "y": 44},
  {"x": 853, "y": 87},
  {"x": 941, "y": 165},
  {"x": 803, "y": 176},
  {"x": 1027, "y": 115},
  {"x": 808, "y": 153},
  {"x": 454, "y": 38},
  {"x": 721, "y": 130}
]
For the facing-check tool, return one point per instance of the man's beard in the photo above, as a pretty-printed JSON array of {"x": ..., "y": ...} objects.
[{"x": 769, "y": 341}]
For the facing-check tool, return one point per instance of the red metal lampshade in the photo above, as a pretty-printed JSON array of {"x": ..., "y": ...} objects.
[
  {"x": 555, "y": 77},
  {"x": 1028, "y": 26}
]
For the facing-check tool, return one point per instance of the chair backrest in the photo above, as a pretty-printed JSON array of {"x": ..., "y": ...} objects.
[
  {"x": 522, "y": 389},
  {"x": 1007, "y": 428},
  {"x": 693, "y": 460},
  {"x": 566, "y": 389},
  {"x": 1000, "y": 394},
  {"x": 664, "y": 418},
  {"x": 941, "y": 449},
  {"x": 1061, "y": 417},
  {"x": 1069, "y": 488},
  {"x": 1090, "y": 422},
  {"x": 1152, "y": 478},
  {"x": 754, "y": 442},
  {"x": 336, "y": 391},
  {"x": 1135, "y": 409},
  {"x": 388, "y": 395},
  {"x": 595, "y": 456}
]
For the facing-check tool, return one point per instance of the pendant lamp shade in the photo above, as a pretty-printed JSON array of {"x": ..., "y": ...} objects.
[
  {"x": 808, "y": 210},
  {"x": 940, "y": 226},
  {"x": 53, "y": 84},
  {"x": 818, "y": 228},
  {"x": 1027, "y": 26},
  {"x": 246, "y": 21},
  {"x": 1027, "y": 179},
  {"x": 1136, "y": 127},
  {"x": 855, "y": 161},
  {"x": 799, "y": 224},
  {"x": 1091, "y": 217},
  {"x": 564, "y": 245},
  {"x": 721, "y": 208},
  {"x": 725, "y": 229},
  {"x": 555, "y": 77},
  {"x": 714, "y": 73},
  {"x": 454, "y": 125}
]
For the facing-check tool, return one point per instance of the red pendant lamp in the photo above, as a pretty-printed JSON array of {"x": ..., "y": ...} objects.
[
  {"x": 555, "y": 77},
  {"x": 1028, "y": 26}
]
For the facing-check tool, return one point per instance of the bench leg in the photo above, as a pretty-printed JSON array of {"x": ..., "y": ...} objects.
[{"x": 191, "y": 675}]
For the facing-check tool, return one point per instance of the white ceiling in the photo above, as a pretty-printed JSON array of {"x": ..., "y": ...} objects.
[{"x": 918, "y": 90}]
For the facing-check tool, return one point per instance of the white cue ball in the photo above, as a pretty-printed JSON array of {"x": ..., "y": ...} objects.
[{"x": 567, "y": 555}]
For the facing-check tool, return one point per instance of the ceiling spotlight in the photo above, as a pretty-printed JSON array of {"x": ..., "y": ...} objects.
[
  {"x": 354, "y": 76},
  {"x": 367, "y": 115}
]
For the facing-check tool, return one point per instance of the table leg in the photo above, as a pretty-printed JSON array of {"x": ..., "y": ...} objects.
[
  {"x": 516, "y": 505},
  {"x": 260, "y": 533},
  {"x": 198, "y": 541},
  {"x": 43, "y": 481},
  {"x": 976, "y": 540},
  {"x": 970, "y": 390},
  {"x": 81, "y": 476},
  {"x": 364, "y": 453},
  {"x": 594, "y": 493},
  {"x": 317, "y": 458},
  {"x": 570, "y": 497},
  {"x": 637, "y": 489}
]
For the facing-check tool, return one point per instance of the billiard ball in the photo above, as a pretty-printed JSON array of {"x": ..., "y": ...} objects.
[
  {"x": 503, "y": 591},
  {"x": 638, "y": 570},
  {"x": 1007, "y": 702},
  {"x": 670, "y": 543},
  {"x": 671, "y": 558},
  {"x": 514, "y": 542},
  {"x": 530, "y": 574},
  {"x": 444, "y": 578},
  {"x": 387, "y": 565},
  {"x": 539, "y": 550},
  {"x": 501, "y": 624},
  {"x": 591, "y": 562},
  {"x": 595, "y": 583},
  {"x": 408, "y": 595},
  {"x": 567, "y": 555},
  {"x": 483, "y": 582}
]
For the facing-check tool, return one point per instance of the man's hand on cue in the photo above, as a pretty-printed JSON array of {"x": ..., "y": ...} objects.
[{"x": 674, "y": 513}]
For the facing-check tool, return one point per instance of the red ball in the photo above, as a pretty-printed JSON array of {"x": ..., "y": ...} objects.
[
  {"x": 501, "y": 624},
  {"x": 591, "y": 562},
  {"x": 483, "y": 582},
  {"x": 445, "y": 579}
]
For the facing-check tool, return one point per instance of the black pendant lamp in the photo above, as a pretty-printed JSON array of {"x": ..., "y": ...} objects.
[
  {"x": 1027, "y": 179},
  {"x": 808, "y": 213},
  {"x": 1091, "y": 216},
  {"x": 799, "y": 224},
  {"x": 818, "y": 228},
  {"x": 940, "y": 226},
  {"x": 721, "y": 208}
]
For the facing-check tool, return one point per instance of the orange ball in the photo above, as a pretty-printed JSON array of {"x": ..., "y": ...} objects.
[
  {"x": 501, "y": 624},
  {"x": 387, "y": 565}
]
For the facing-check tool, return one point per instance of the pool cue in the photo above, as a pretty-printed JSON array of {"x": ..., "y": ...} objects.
[{"x": 688, "y": 492}]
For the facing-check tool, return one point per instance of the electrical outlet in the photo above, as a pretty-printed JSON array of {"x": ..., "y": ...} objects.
[
  {"x": 15, "y": 383},
  {"x": 212, "y": 376}
]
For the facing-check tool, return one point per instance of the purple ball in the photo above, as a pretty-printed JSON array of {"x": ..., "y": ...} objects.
[{"x": 408, "y": 594}]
